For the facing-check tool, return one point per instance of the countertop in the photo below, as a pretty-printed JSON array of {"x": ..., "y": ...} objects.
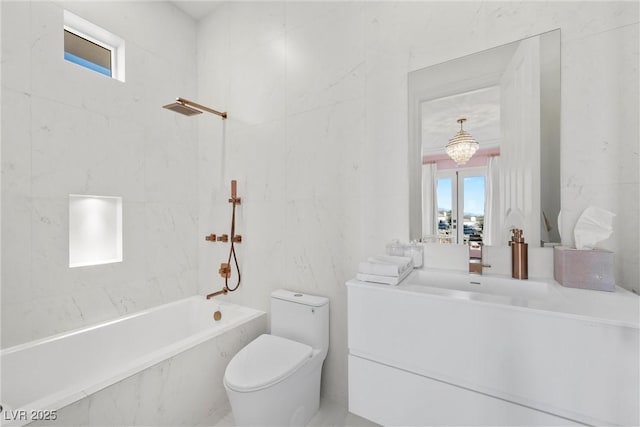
[{"x": 620, "y": 308}]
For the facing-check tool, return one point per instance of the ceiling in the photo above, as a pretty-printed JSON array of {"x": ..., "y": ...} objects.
[
  {"x": 197, "y": 9},
  {"x": 481, "y": 108}
]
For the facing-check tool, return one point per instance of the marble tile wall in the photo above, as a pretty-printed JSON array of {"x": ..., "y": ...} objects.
[
  {"x": 317, "y": 131},
  {"x": 67, "y": 130}
]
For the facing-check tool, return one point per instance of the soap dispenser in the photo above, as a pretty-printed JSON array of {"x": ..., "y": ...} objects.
[{"x": 519, "y": 257}]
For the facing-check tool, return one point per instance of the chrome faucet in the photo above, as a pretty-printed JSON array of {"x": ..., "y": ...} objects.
[{"x": 475, "y": 257}]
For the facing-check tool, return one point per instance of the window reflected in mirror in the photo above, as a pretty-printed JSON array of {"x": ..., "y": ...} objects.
[{"x": 461, "y": 197}]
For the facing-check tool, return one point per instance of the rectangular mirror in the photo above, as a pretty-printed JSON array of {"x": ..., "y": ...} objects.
[{"x": 509, "y": 100}]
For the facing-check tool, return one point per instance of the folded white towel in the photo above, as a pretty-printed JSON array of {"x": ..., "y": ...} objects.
[
  {"x": 386, "y": 265},
  {"x": 386, "y": 280}
]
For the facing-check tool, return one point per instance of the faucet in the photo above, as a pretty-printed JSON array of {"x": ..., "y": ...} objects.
[{"x": 475, "y": 257}]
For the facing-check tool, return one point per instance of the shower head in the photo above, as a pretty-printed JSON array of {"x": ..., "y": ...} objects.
[
  {"x": 181, "y": 108},
  {"x": 190, "y": 108}
]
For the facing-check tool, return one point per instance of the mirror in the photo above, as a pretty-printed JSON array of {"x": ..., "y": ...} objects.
[{"x": 510, "y": 98}]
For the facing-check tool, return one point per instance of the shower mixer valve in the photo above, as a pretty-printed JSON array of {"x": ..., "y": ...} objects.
[
  {"x": 225, "y": 270},
  {"x": 220, "y": 238}
]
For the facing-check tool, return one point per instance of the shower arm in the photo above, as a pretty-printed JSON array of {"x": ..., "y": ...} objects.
[{"x": 222, "y": 114}]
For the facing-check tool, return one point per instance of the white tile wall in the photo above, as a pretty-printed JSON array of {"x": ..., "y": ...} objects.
[
  {"x": 323, "y": 171},
  {"x": 67, "y": 130},
  {"x": 600, "y": 149}
]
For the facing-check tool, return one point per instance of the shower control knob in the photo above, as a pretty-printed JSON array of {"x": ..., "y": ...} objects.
[
  {"x": 223, "y": 238},
  {"x": 210, "y": 238},
  {"x": 225, "y": 270},
  {"x": 237, "y": 238}
]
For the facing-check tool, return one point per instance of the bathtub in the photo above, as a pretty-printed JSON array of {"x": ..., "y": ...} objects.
[{"x": 66, "y": 378}]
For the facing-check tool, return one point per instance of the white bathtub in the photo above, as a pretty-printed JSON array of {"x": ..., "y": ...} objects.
[{"x": 51, "y": 373}]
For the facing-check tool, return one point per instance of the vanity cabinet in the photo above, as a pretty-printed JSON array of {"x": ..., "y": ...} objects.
[{"x": 433, "y": 356}]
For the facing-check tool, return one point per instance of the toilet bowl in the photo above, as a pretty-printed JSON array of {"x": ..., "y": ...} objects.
[{"x": 275, "y": 379}]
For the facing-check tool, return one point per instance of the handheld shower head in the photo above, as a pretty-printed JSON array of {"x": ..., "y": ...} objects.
[{"x": 190, "y": 108}]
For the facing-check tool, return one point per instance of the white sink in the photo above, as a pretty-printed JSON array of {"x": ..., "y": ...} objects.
[{"x": 482, "y": 284}]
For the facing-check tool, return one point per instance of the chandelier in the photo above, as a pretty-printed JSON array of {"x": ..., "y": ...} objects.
[{"x": 462, "y": 146}]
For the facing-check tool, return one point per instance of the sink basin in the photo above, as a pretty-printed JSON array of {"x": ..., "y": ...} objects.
[{"x": 455, "y": 282}]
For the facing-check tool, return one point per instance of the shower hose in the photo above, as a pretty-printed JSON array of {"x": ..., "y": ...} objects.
[{"x": 232, "y": 252}]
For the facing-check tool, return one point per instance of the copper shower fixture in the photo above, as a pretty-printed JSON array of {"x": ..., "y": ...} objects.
[
  {"x": 225, "y": 267},
  {"x": 234, "y": 196},
  {"x": 222, "y": 291},
  {"x": 190, "y": 108},
  {"x": 221, "y": 238},
  {"x": 225, "y": 270}
]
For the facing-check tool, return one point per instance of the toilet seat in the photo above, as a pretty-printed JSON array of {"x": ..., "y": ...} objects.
[{"x": 265, "y": 361}]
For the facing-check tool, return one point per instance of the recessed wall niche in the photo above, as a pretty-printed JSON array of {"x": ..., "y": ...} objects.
[{"x": 95, "y": 230}]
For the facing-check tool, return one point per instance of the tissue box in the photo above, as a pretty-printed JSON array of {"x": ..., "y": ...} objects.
[{"x": 586, "y": 269}]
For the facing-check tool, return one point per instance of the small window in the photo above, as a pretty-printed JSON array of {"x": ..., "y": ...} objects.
[
  {"x": 86, "y": 53},
  {"x": 92, "y": 47}
]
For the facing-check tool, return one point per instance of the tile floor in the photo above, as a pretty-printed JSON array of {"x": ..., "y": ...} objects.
[{"x": 330, "y": 414}]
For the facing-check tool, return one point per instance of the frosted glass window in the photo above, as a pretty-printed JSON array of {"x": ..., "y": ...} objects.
[{"x": 95, "y": 230}]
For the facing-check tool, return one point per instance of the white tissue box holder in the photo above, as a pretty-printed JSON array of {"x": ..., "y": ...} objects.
[{"x": 585, "y": 269}]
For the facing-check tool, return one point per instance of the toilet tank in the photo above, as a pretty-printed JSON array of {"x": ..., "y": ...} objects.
[{"x": 301, "y": 317}]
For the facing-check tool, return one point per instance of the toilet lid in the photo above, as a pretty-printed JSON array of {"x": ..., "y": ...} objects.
[{"x": 265, "y": 361}]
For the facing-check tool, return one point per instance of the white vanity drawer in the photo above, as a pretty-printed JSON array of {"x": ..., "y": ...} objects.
[{"x": 391, "y": 396}]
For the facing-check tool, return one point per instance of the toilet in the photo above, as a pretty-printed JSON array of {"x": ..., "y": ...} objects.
[{"x": 275, "y": 379}]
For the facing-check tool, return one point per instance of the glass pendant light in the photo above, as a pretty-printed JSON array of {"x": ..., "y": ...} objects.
[{"x": 462, "y": 146}]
